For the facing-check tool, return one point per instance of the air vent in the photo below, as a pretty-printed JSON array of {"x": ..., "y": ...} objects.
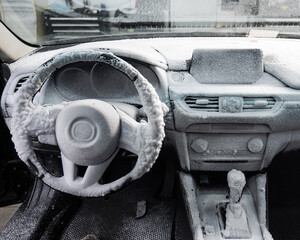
[
  {"x": 255, "y": 104},
  {"x": 20, "y": 83},
  {"x": 206, "y": 104}
]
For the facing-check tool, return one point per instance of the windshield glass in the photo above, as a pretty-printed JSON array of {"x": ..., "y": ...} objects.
[{"x": 50, "y": 21}]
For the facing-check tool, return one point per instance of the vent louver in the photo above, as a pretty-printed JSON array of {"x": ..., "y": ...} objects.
[
  {"x": 20, "y": 83},
  {"x": 211, "y": 104},
  {"x": 206, "y": 104},
  {"x": 255, "y": 104}
]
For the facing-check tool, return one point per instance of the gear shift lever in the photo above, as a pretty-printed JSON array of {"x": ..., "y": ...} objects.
[{"x": 236, "y": 219}]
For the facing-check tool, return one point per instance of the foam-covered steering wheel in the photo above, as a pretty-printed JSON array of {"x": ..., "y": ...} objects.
[{"x": 88, "y": 132}]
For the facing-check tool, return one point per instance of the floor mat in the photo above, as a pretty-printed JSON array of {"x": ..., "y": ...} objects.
[
  {"x": 114, "y": 217},
  {"x": 6, "y": 214},
  {"x": 284, "y": 196}
]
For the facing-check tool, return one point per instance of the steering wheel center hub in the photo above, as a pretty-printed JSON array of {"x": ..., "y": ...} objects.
[
  {"x": 83, "y": 131},
  {"x": 88, "y": 131}
]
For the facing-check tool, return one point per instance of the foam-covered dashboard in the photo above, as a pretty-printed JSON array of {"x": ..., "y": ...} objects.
[
  {"x": 94, "y": 80},
  {"x": 229, "y": 113}
]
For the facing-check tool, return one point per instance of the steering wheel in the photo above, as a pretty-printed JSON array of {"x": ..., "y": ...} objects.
[{"x": 88, "y": 132}]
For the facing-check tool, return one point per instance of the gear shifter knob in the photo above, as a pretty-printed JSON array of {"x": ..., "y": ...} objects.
[
  {"x": 236, "y": 219},
  {"x": 236, "y": 182}
]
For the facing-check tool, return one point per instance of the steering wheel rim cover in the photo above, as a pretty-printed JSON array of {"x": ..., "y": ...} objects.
[{"x": 24, "y": 110}]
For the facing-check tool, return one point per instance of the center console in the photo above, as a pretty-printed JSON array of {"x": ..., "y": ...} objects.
[
  {"x": 228, "y": 113},
  {"x": 219, "y": 211}
]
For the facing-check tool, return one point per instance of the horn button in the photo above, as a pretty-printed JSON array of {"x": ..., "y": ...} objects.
[{"x": 88, "y": 131}]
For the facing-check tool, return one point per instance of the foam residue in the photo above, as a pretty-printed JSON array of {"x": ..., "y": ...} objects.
[{"x": 29, "y": 120}]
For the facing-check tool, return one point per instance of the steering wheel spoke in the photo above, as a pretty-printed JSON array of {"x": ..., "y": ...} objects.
[
  {"x": 91, "y": 176},
  {"x": 131, "y": 133},
  {"x": 94, "y": 173},
  {"x": 70, "y": 170},
  {"x": 40, "y": 122}
]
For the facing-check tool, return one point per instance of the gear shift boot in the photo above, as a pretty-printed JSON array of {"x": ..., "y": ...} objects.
[
  {"x": 232, "y": 216},
  {"x": 233, "y": 223}
]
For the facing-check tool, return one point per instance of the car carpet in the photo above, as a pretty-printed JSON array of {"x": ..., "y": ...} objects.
[
  {"x": 284, "y": 196},
  {"x": 114, "y": 217}
]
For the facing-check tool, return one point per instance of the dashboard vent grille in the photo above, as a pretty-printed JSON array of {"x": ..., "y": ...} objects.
[
  {"x": 255, "y": 104},
  {"x": 20, "y": 83},
  {"x": 206, "y": 104}
]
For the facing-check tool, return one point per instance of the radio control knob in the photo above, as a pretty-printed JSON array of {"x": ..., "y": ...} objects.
[
  {"x": 255, "y": 145},
  {"x": 199, "y": 145}
]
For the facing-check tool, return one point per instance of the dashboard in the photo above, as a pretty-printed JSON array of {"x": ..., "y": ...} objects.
[{"x": 234, "y": 103}]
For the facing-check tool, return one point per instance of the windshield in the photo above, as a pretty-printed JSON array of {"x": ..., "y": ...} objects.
[{"x": 50, "y": 21}]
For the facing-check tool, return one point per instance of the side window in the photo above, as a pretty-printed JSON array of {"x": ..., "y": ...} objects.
[
  {"x": 229, "y": 4},
  {"x": 241, "y": 7}
]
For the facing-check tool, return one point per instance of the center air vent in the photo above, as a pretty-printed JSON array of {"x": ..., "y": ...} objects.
[
  {"x": 20, "y": 83},
  {"x": 206, "y": 104},
  {"x": 211, "y": 104},
  {"x": 255, "y": 104}
]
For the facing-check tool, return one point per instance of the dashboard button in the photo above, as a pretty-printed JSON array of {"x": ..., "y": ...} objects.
[
  {"x": 255, "y": 145},
  {"x": 177, "y": 77},
  {"x": 199, "y": 145}
]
